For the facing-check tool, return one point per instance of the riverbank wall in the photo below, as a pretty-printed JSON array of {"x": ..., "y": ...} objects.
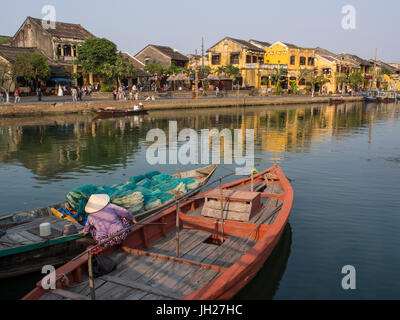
[{"x": 43, "y": 108}]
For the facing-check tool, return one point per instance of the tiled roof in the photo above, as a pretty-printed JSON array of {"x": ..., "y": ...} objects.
[
  {"x": 330, "y": 56},
  {"x": 9, "y": 53},
  {"x": 260, "y": 44},
  {"x": 353, "y": 59},
  {"x": 246, "y": 44},
  {"x": 66, "y": 30},
  {"x": 168, "y": 51},
  {"x": 385, "y": 65},
  {"x": 292, "y": 46},
  {"x": 137, "y": 64}
]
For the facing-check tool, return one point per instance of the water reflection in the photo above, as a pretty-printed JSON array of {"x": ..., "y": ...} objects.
[
  {"x": 343, "y": 160},
  {"x": 265, "y": 284},
  {"x": 53, "y": 148}
]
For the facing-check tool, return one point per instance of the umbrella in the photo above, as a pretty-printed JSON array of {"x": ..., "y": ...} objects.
[
  {"x": 181, "y": 77},
  {"x": 212, "y": 77}
]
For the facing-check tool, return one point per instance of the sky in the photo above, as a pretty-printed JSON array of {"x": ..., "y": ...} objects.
[{"x": 131, "y": 25}]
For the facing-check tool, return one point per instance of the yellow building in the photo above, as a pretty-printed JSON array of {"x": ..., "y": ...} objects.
[
  {"x": 239, "y": 53},
  {"x": 387, "y": 77},
  {"x": 289, "y": 57},
  {"x": 327, "y": 64},
  {"x": 335, "y": 66}
]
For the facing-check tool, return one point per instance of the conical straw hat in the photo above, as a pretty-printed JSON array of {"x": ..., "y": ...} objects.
[{"x": 97, "y": 202}]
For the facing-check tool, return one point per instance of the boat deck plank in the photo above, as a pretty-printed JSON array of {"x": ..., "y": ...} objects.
[
  {"x": 229, "y": 252},
  {"x": 247, "y": 187},
  {"x": 143, "y": 277}
]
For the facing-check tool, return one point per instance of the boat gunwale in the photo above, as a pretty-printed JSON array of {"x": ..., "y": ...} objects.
[
  {"x": 226, "y": 285},
  {"x": 28, "y": 211}
]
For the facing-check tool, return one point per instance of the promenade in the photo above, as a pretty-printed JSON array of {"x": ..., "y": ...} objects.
[{"x": 63, "y": 105}]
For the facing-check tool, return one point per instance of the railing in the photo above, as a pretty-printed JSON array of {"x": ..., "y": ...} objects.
[
  {"x": 251, "y": 65},
  {"x": 66, "y": 58}
]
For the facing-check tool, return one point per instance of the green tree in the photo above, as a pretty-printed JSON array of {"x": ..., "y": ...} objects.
[
  {"x": 277, "y": 78},
  {"x": 30, "y": 66},
  {"x": 94, "y": 54},
  {"x": 312, "y": 78},
  {"x": 154, "y": 67},
  {"x": 205, "y": 70},
  {"x": 121, "y": 69},
  {"x": 232, "y": 71},
  {"x": 356, "y": 80},
  {"x": 173, "y": 69},
  {"x": 5, "y": 79},
  {"x": 341, "y": 78},
  {"x": 3, "y": 39},
  {"x": 293, "y": 86},
  {"x": 220, "y": 70}
]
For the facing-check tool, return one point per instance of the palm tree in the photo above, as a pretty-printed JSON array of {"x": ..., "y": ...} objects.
[
  {"x": 312, "y": 78},
  {"x": 277, "y": 78},
  {"x": 341, "y": 78}
]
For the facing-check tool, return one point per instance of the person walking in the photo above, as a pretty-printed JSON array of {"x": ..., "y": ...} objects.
[
  {"x": 74, "y": 95},
  {"x": 39, "y": 93},
  {"x": 79, "y": 91},
  {"x": 17, "y": 98}
]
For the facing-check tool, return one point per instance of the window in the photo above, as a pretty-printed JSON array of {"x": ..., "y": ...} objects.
[
  {"x": 261, "y": 60},
  {"x": 254, "y": 59},
  {"x": 67, "y": 50},
  {"x": 59, "y": 50},
  {"x": 216, "y": 59},
  {"x": 310, "y": 61},
  {"x": 235, "y": 58},
  {"x": 326, "y": 71},
  {"x": 293, "y": 60},
  {"x": 248, "y": 59},
  {"x": 74, "y": 51},
  {"x": 302, "y": 61}
]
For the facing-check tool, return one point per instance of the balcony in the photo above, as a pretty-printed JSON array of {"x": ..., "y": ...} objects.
[
  {"x": 251, "y": 65},
  {"x": 67, "y": 59}
]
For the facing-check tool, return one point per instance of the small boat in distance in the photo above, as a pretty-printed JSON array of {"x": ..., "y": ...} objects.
[
  {"x": 368, "y": 98},
  {"x": 208, "y": 247},
  {"x": 23, "y": 250},
  {"x": 380, "y": 96},
  {"x": 336, "y": 100},
  {"x": 113, "y": 112}
]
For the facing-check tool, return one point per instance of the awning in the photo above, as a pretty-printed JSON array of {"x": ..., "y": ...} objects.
[{"x": 61, "y": 80}]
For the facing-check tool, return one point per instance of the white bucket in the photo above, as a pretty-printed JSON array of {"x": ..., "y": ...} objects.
[{"x": 45, "y": 230}]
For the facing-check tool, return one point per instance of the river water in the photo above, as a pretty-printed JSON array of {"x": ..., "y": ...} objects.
[{"x": 344, "y": 163}]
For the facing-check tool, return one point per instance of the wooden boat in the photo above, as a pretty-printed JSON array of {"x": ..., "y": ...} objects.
[
  {"x": 23, "y": 251},
  {"x": 389, "y": 99},
  {"x": 336, "y": 101},
  {"x": 111, "y": 112},
  {"x": 372, "y": 99},
  {"x": 205, "y": 252}
]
